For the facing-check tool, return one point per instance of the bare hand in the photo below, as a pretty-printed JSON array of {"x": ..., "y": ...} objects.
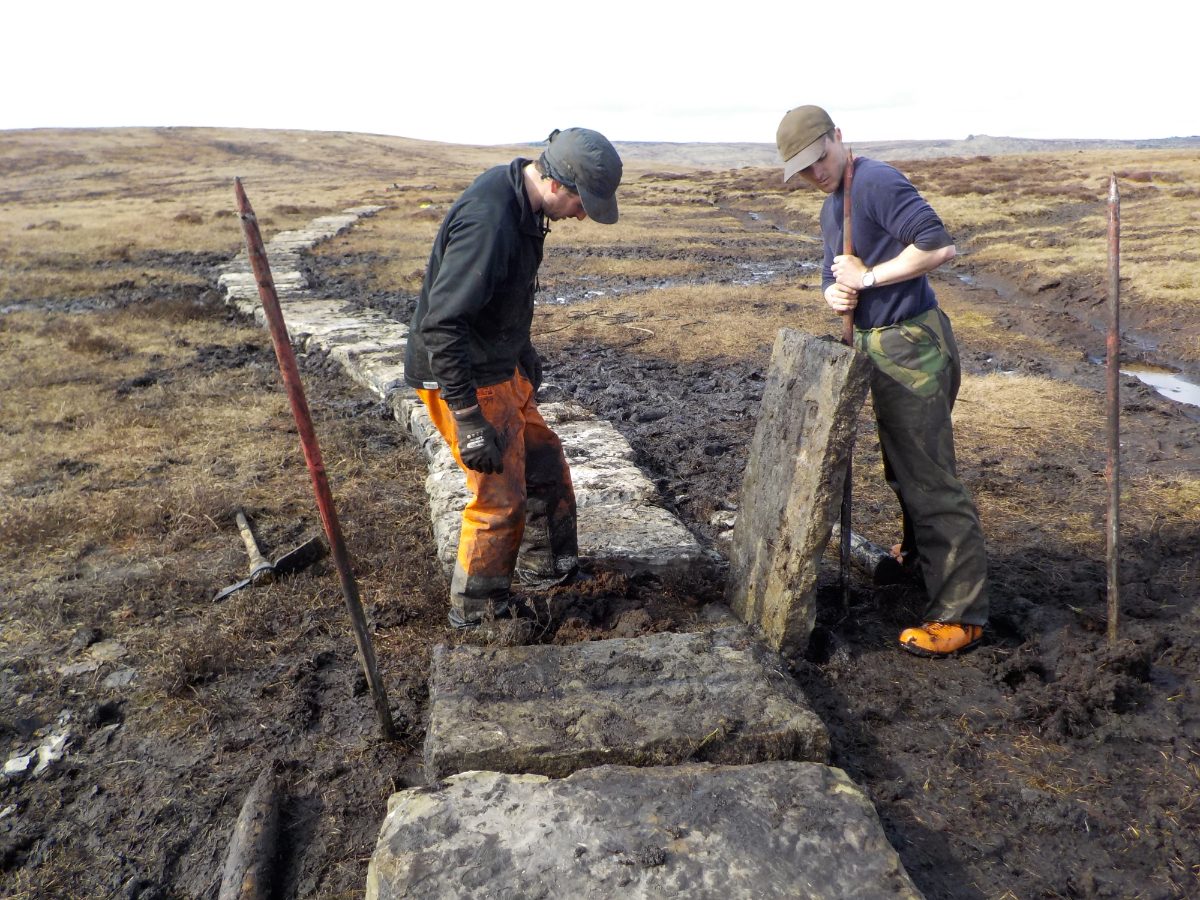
[
  {"x": 840, "y": 298},
  {"x": 849, "y": 270}
]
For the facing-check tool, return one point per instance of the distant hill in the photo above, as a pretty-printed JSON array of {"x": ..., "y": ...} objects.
[{"x": 737, "y": 155}]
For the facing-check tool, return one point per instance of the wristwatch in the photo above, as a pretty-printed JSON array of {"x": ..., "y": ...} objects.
[{"x": 868, "y": 279}]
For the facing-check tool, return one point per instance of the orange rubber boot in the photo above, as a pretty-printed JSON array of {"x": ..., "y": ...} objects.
[{"x": 940, "y": 638}]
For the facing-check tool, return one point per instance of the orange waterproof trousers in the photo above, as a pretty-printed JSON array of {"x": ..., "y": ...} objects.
[{"x": 520, "y": 520}]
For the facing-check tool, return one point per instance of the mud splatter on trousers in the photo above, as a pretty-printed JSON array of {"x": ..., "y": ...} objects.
[{"x": 521, "y": 520}]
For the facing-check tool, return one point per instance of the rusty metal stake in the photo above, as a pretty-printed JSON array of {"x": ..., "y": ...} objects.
[
  {"x": 312, "y": 454},
  {"x": 847, "y": 339},
  {"x": 1112, "y": 471}
]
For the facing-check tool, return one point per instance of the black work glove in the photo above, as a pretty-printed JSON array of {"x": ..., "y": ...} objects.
[
  {"x": 479, "y": 444},
  {"x": 531, "y": 366}
]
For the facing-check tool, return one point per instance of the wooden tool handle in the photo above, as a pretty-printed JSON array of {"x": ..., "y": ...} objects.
[
  {"x": 260, "y": 567},
  {"x": 847, "y": 240}
]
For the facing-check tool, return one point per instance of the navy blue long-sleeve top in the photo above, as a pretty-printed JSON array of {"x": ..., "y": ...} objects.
[{"x": 887, "y": 215}]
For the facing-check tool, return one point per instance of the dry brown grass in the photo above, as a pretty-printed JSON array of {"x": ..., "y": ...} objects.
[
  {"x": 1037, "y": 219},
  {"x": 1043, "y": 219},
  {"x": 1051, "y": 213},
  {"x": 1006, "y": 424},
  {"x": 100, "y": 408},
  {"x": 128, "y": 436},
  {"x": 689, "y": 323},
  {"x": 81, "y": 220}
]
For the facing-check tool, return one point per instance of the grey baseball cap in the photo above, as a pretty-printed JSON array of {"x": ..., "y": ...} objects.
[
  {"x": 586, "y": 162},
  {"x": 799, "y": 138}
]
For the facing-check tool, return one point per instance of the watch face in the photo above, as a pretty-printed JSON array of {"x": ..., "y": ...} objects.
[{"x": 868, "y": 279}]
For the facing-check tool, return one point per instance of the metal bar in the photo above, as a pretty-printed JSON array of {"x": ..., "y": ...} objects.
[
  {"x": 844, "y": 549},
  {"x": 312, "y": 454},
  {"x": 1112, "y": 471}
]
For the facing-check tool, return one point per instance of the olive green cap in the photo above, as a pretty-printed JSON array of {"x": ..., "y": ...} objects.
[{"x": 799, "y": 138}]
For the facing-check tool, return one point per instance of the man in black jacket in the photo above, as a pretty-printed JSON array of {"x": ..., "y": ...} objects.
[{"x": 471, "y": 361}]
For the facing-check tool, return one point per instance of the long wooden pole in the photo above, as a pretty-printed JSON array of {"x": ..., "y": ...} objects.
[
  {"x": 1113, "y": 468},
  {"x": 312, "y": 454},
  {"x": 848, "y": 340},
  {"x": 847, "y": 240}
]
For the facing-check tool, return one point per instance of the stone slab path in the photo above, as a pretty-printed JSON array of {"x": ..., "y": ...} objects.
[
  {"x": 717, "y": 696},
  {"x": 696, "y": 831},
  {"x": 761, "y": 817}
]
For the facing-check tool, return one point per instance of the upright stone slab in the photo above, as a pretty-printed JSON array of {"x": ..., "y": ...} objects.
[
  {"x": 772, "y": 830},
  {"x": 792, "y": 488},
  {"x": 717, "y": 696}
]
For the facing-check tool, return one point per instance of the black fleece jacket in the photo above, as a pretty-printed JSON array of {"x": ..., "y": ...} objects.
[{"x": 472, "y": 321}]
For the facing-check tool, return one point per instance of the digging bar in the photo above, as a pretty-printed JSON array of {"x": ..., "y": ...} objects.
[
  {"x": 847, "y": 339},
  {"x": 312, "y": 454}
]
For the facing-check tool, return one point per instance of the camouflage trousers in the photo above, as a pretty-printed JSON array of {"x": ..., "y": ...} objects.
[{"x": 914, "y": 383}]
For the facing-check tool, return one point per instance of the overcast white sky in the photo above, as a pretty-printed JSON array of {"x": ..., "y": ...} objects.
[{"x": 476, "y": 72}]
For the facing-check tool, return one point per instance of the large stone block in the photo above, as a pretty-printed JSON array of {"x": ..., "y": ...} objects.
[
  {"x": 792, "y": 488},
  {"x": 772, "y": 830},
  {"x": 716, "y": 696}
]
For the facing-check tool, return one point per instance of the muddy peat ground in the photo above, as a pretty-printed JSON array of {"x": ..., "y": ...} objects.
[{"x": 1044, "y": 764}]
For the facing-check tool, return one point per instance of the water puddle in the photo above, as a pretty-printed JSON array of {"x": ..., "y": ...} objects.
[
  {"x": 580, "y": 291},
  {"x": 763, "y": 273},
  {"x": 1167, "y": 382}
]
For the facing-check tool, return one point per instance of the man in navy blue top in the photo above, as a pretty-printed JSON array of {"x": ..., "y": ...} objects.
[{"x": 899, "y": 239}]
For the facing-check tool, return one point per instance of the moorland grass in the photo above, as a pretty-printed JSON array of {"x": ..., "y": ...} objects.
[
  {"x": 87, "y": 212},
  {"x": 123, "y": 455}
]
